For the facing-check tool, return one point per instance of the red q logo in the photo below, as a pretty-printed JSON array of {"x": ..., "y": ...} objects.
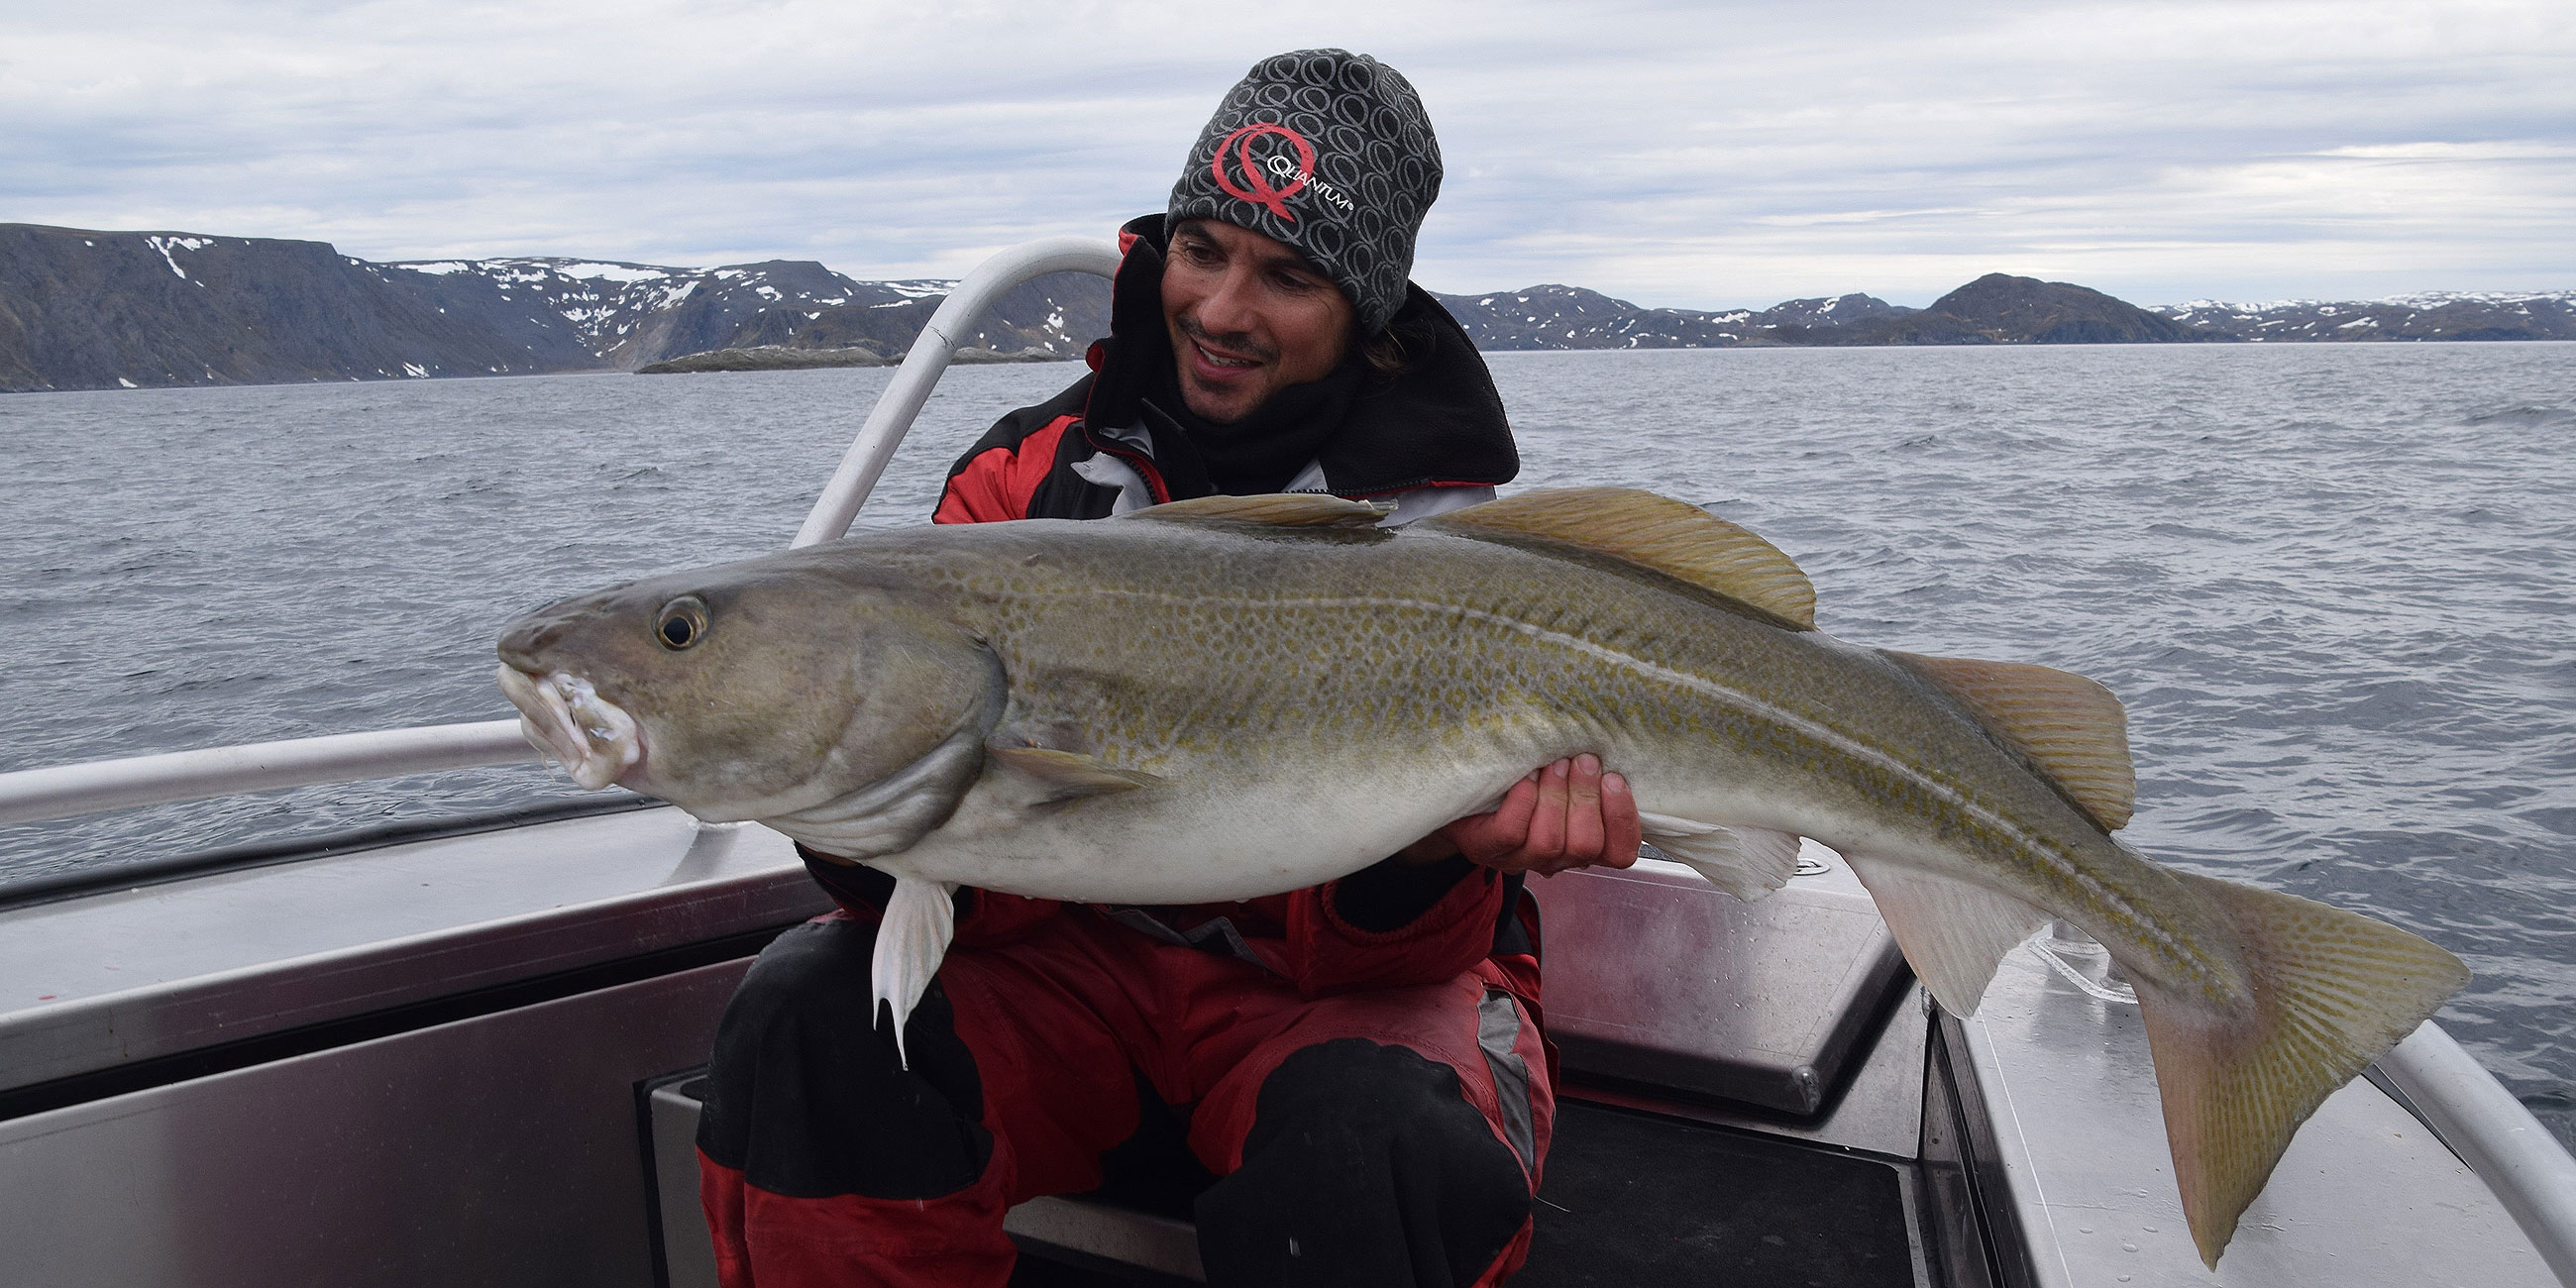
[{"x": 1255, "y": 184}]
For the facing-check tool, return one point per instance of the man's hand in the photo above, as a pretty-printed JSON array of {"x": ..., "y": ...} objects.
[{"x": 1567, "y": 815}]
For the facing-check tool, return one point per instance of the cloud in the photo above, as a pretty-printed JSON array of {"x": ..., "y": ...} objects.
[{"x": 1687, "y": 155}]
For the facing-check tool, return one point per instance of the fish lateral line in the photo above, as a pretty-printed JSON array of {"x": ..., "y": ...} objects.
[{"x": 2044, "y": 851}]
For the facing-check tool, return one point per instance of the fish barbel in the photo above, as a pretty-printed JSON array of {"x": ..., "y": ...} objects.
[{"x": 1237, "y": 696}]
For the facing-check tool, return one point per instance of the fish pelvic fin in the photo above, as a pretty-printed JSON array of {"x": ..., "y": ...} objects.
[
  {"x": 2070, "y": 728},
  {"x": 1747, "y": 862},
  {"x": 1675, "y": 538},
  {"x": 911, "y": 940},
  {"x": 1954, "y": 934},
  {"x": 2331, "y": 992}
]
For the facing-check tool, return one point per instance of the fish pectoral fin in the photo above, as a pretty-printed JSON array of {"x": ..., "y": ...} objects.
[
  {"x": 2331, "y": 992},
  {"x": 1747, "y": 862},
  {"x": 2071, "y": 728},
  {"x": 1675, "y": 538},
  {"x": 911, "y": 940},
  {"x": 1052, "y": 777},
  {"x": 1954, "y": 934}
]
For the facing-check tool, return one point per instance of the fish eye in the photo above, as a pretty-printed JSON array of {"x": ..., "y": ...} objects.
[{"x": 682, "y": 622}]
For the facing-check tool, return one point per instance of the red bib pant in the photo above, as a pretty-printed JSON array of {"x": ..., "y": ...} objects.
[{"x": 1373, "y": 1135}]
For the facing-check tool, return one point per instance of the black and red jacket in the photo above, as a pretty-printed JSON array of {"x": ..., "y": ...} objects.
[{"x": 1431, "y": 438}]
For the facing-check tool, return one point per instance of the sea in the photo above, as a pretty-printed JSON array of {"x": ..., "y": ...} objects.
[{"x": 2334, "y": 584}]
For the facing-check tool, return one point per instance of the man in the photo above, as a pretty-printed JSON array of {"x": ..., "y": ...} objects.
[{"x": 1352, "y": 1071}]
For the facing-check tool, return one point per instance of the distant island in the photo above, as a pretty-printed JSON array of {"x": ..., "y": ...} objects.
[{"x": 82, "y": 309}]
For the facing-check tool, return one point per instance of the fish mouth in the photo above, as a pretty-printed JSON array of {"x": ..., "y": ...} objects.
[{"x": 562, "y": 716}]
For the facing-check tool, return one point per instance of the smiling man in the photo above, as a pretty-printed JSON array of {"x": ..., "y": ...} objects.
[
  {"x": 1249, "y": 318},
  {"x": 1348, "y": 1080}
]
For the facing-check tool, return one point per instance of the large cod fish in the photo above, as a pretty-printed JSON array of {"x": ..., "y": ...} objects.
[{"x": 1237, "y": 696}]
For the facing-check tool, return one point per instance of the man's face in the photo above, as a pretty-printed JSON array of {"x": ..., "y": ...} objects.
[{"x": 1248, "y": 317}]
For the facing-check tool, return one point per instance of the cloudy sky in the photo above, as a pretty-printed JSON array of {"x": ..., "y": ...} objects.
[{"x": 1695, "y": 155}]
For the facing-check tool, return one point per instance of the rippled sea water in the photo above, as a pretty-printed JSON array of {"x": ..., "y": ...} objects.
[{"x": 2335, "y": 585}]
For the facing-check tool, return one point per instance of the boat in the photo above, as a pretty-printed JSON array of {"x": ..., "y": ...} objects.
[{"x": 467, "y": 1052}]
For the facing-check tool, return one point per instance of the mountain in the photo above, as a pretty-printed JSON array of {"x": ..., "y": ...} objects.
[
  {"x": 1994, "y": 309},
  {"x": 82, "y": 309},
  {"x": 96, "y": 310},
  {"x": 90, "y": 310},
  {"x": 630, "y": 315},
  {"x": 2433, "y": 315},
  {"x": 1568, "y": 317},
  {"x": 2002, "y": 309}
]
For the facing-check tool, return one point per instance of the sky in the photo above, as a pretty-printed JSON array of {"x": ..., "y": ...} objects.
[{"x": 1701, "y": 155}]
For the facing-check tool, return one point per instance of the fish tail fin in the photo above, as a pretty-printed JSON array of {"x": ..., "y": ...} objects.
[
  {"x": 911, "y": 940},
  {"x": 2331, "y": 992}
]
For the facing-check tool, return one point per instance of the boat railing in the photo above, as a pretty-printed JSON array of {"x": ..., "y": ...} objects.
[
  {"x": 2495, "y": 1135},
  {"x": 132, "y": 782},
  {"x": 2458, "y": 1098},
  {"x": 922, "y": 367}
]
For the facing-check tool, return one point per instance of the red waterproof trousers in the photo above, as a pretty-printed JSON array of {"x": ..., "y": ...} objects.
[{"x": 1387, "y": 1136}]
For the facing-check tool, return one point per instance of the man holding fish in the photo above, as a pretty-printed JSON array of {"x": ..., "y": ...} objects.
[
  {"x": 1356, "y": 1066},
  {"x": 1284, "y": 717},
  {"x": 1040, "y": 737}
]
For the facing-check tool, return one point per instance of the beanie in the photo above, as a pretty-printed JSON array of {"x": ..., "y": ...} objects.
[{"x": 1329, "y": 153}]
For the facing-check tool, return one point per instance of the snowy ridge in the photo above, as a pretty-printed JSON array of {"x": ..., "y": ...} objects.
[
  {"x": 1570, "y": 317},
  {"x": 2414, "y": 300},
  {"x": 629, "y": 315},
  {"x": 2421, "y": 315}
]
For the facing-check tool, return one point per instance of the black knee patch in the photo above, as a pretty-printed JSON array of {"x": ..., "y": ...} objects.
[
  {"x": 806, "y": 1096},
  {"x": 1365, "y": 1166}
]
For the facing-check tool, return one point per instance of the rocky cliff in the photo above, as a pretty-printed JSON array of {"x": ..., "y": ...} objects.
[{"x": 91, "y": 310}]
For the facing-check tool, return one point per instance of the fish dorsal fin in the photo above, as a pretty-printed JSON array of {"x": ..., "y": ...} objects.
[
  {"x": 2068, "y": 726},
  {"x": 1671, "y": 537},
  {"x": 1279, "y": 510}
]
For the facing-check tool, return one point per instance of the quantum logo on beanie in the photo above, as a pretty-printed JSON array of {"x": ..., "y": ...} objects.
[{"x": 1255, "y": 185}]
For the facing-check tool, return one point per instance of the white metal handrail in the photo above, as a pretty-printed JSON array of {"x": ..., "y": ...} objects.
[
  {"x": 930, "y": 355},
  {"x": 2496, "y": 1135},
  {"x": 102, "y": 786}
]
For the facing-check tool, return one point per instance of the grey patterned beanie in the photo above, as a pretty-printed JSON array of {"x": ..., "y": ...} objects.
[{"x": 1328, "y": 152}]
